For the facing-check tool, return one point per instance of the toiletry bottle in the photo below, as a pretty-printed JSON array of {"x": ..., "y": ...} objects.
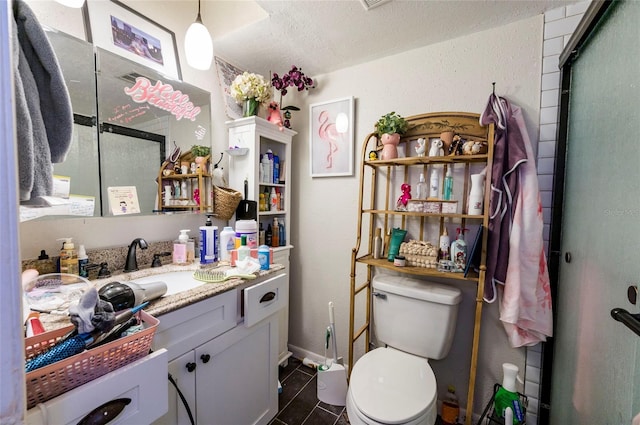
[
  {"x": 180, "y": 248},
  {"x": 273, "y": 200},
  {"x": 276, "y": 169},
  {"x": 184, "y": 191},
  {"x": 434, "y": 184},
  {"x": 445, "y": 243},
  {"x": 268, "y": 236},
  {"x": 450, "y": 407},
  {"x": 377, "y": 244},
  {"x": 282, "y": 238},
  {"x": 83, "y": 261},
  {"x": 275, "y": 235},
  {"x": 459, "y": 251},
  {"x": 421, "y": 188},
  {"x": 68, "y": 257},
  {"x": 266, "y": 168},
  {"x": 448, "y": 185},
  {"x": 243, "y": 251},
  {"x": 263, "y": 257},
  {"x": 261, "y": 235},
  {"x": 227, "y": 243},
  {"x": 261, "y": 203},
  {"x": 208, "y": 242}
]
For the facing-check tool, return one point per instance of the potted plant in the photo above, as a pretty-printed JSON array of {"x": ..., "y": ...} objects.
[
  {"x": 294, "y": 78},
  {"x": 200, "y": 154},
  {"x": 389, "y": 129}
]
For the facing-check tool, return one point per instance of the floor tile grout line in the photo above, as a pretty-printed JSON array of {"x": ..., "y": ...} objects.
[{"x": 297, "y": 394}]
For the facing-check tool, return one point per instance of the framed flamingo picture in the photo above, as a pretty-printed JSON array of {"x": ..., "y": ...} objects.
[{"x": 331, "y": 138}]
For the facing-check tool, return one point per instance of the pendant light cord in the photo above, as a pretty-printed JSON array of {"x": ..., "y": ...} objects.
[{"x": 199, "y": 18}]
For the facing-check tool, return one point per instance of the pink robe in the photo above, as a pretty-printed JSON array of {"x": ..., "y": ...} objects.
[{"x": 516, "y": 248}]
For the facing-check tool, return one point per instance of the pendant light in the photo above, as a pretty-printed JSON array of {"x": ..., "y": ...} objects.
[
  {"x": 72, "y": 3},
  {"x": 198, "y": 45}
]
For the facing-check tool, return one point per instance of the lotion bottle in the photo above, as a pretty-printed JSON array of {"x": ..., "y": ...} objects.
[
  {"x": 434, "y": 184},
  {"x": 243, "y": 251},
  {"x": 180, "y": 248}
]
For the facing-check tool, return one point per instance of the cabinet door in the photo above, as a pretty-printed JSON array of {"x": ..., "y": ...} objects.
[
  {"x": 186, "y": 381},
  {"x": 238, "y": 384}
]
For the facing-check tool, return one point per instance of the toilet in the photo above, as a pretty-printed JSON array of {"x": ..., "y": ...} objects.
[{"x": 416, "y": 320}]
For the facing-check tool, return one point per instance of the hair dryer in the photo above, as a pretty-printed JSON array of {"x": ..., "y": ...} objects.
[{"x": 130, "y": 294}]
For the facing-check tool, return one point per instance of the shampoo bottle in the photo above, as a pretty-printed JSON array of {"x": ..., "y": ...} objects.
[
  {"x": 273, "y": 200},
  {"x": 275, "y": 235},
  {"x": 282, "y": 238},
  {"x": 68, "y": 257},
  {"x": 377, "y": 244}
]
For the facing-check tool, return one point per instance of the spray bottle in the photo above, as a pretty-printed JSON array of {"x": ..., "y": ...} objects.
[{"x": 507, "y": 400}]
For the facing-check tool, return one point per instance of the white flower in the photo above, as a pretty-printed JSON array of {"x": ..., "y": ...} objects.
[{"x": 248, "y": 85}]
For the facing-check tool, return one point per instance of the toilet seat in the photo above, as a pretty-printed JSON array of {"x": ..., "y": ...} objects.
[{"x": 392, "y": 387}]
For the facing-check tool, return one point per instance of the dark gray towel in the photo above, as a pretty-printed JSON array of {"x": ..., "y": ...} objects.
[{"x": 48, "y": 103}]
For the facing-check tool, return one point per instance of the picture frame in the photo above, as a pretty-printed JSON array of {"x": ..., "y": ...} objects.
[
  {"x": 331, "y": 139},
  {"x": 226, "y": 74},
  {"x": 119, "y": 29}
]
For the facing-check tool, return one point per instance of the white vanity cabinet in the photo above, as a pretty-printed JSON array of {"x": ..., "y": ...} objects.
[{"x": 230, "y": 375}]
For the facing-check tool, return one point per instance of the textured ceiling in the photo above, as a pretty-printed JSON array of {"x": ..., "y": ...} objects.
[{"x": 323, "y": 36}]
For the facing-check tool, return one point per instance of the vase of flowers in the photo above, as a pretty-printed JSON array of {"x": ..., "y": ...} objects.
[
  {"x": 250, "y": 90},
  {"x": 389, "y": 128},
  {"x": 294, "y": 78}
]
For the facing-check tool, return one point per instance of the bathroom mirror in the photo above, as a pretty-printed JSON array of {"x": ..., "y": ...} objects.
[{"x": 127, "y": 118}]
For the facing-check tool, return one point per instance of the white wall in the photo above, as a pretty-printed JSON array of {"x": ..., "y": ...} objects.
[{"x": 451, "y": 76}]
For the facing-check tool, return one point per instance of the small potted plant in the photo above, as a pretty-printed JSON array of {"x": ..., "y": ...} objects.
[
  {"x": 389, "y": 129},
  {"x": 200, "y": 154}
]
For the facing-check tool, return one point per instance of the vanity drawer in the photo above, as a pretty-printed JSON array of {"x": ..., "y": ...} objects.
[
  {"x": 143, "y": 383},
  {"x": 264, "y": 299}
]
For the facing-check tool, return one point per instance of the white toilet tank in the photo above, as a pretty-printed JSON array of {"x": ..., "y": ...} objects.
[{"x": 415, "y": 316}]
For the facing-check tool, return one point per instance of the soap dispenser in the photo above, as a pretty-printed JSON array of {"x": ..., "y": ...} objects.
[{"x": 181, "y": 249}]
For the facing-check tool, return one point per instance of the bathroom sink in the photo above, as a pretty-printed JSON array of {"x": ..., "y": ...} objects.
[{"x": 176, "y": 281}]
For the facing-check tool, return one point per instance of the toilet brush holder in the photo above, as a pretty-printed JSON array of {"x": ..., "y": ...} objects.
[{"x": 332, "y": 385}]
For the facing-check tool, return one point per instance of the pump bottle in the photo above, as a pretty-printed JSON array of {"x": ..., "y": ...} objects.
[
  {"x": 68, "y": 257},
  {"x": 421, "y": 188},
  {"x": 83, "y": 261},
  {"x": 180, "y": 248}
]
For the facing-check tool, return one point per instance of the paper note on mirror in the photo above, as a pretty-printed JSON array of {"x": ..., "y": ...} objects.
[
  {"x": 61, "y": 186},
  {"x": 123, "y": 200}
]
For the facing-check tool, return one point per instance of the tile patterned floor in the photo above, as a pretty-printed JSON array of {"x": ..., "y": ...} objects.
[{"x": 298, "y": 403}]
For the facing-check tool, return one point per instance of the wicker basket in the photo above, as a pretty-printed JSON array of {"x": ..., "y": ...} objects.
[
  {"x": 225, "y": 201},
  {"x": 50, "y": 381}
]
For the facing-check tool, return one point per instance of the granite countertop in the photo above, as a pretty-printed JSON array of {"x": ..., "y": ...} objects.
[{"x": 168, "y": 303}]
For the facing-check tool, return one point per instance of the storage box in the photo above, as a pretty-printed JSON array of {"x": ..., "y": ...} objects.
[
  {"x": 432, "y": 206},
  {"x": 50, "y": 381},
  {"x": 449, "y": 207}
]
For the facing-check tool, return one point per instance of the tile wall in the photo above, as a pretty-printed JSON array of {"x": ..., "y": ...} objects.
[{"x": 559, "y": 25}]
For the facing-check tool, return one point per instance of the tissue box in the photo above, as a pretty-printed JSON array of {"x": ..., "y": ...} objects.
[{"x": 432, "y": 206}]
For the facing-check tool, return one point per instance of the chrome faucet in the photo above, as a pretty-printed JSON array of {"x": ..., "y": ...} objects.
[{"x": 132, "y": 264}]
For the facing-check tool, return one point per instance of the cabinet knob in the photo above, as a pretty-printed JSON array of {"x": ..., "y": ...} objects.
[
  {"x": 191, "y": 366},
  {"x": 205, "y": 358}
]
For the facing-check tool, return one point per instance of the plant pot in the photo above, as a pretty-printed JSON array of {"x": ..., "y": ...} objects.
[
  {"x": 201, "y": 163},
  {"x": 447, "y": 139},
  {"x": 250, "y": 107},
  {"x": 390, "y": 145}
]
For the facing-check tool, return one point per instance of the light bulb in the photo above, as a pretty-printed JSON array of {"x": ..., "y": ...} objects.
[
  {"x": 342, "y": 123},
  {"x": 198, "y": 46},
  {"x": 71, "y": 3}
]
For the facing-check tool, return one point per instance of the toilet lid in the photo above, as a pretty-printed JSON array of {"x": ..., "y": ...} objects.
[{"x": 392, "y": 387}]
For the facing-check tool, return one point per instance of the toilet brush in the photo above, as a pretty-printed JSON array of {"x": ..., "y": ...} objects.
[{"x": 332, "y": 377}]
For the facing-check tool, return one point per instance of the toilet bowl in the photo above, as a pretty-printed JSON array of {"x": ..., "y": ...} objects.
[{"x": 388, "y": 386}]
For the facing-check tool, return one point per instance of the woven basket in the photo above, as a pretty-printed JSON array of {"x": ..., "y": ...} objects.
[
  {"x": 52, "y": 380},
  {"x": 225, "y": 201}
]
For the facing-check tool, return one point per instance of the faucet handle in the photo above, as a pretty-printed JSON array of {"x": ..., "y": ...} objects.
[
  {"x": 156, "y": 259},
  {"x": 104, "y": 271}
]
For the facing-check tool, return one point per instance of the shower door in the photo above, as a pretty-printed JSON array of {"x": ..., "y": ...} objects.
[{"x": 596, "y": 366}]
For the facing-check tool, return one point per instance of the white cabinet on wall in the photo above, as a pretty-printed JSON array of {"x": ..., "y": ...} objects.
[{"x": 251, "y": 138}]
